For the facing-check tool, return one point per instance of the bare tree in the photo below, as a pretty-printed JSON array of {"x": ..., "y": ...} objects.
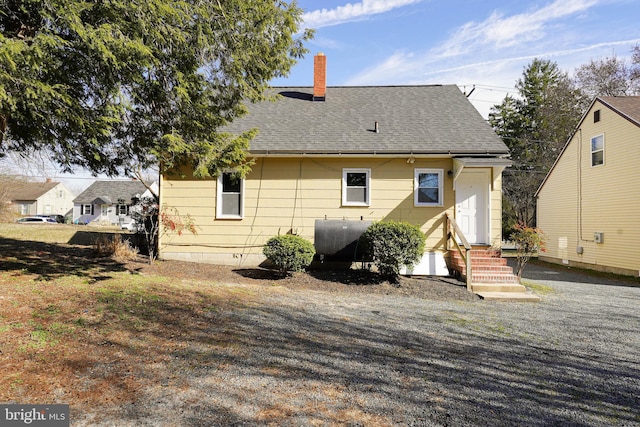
[{"x": 611, "y": 76}]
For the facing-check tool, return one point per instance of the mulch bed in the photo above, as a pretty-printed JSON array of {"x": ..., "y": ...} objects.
[{"x": 326, "y": 280}]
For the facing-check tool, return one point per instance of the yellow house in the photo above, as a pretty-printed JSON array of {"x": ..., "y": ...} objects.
[
  {"x": 588, "y": 205},
  {"x": 331, "y": 160}
]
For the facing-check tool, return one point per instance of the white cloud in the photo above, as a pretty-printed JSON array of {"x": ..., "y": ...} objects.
[
  {"x": 500, "y": 32},
  {"x": 481, "y": 46},
  {"x": 351, "y": 12}
]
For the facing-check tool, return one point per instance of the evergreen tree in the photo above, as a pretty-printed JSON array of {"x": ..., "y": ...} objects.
[
  {"x": 115, "y": 86},
  {"x": 535, "y": 125}
]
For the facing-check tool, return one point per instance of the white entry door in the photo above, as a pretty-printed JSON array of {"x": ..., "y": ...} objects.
[{"x": 472, "y": 205}]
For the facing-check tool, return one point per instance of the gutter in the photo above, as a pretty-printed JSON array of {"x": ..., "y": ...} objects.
[{"x": 386, "y": 154}]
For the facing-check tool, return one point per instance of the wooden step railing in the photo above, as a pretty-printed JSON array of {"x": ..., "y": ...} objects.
[{"x": 454, "y": 233}]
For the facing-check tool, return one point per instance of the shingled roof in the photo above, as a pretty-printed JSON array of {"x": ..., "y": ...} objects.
[
  {"x": 627, "y": 106},
  {"x": 430, "y": 120},
  {"x": 110, "y": 192},
  {"x": 29, "y": 191}
]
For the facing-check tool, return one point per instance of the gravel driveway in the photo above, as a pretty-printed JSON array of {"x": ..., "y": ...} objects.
[{"x": 303, "y": 357}]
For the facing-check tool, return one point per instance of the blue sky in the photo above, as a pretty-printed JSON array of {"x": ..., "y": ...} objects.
[{"x": 486, "y": 43}]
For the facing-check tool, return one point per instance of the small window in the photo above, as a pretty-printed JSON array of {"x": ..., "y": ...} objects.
[
  {"x": 597, "y": 150},
  {"x": 86, "y": 210},
  {"x": 428, "y": 187},
  {"x": 596, "y": 116},
  {"x": 356, "y": 187},
  {"x": 229, "y": 203},
  {"x": 122, "y": 209}
]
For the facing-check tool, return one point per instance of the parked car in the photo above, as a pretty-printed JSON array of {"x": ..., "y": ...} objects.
[
  {"x": 58, "y": 218},
  {"x": 36, "y": 220},
  {"x": 131, "y": 226}
]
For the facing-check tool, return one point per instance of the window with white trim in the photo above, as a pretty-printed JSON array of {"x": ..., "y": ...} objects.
[
  {"x": 86, "y": 210},
  {"x": 356, "y": 187},
  {"x": 229, "y": 201},
  {"x": 597, "y": 150},
  {"x": 122, "y": 209},
  {"x": 428, "y": 187}
]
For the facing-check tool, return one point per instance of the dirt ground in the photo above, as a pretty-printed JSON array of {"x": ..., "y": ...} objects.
[
  {"x": 327, "y": 280},
  {"x": 87, "y": 330}
]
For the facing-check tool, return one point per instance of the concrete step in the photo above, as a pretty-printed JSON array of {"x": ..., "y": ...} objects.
[
  {"x": 508, "y": 296},
  {"x": 497, "y": 287}
]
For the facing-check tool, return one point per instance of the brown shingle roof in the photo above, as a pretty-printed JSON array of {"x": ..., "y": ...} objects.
[
  {"x": 627, "y": 106},
  {"x": 24, "y": 191}
]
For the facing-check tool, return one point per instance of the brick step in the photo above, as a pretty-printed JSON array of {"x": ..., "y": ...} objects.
[
  {"x": 495, "y": 287},
  {"x": 498, "y": 262},
  {"x": 481, "y": 252},
  {"x": 486, "y": 268},
  {"x": 479, "y": 259},
  {"x": 492, "y": 278},
  {"x": 492, "y": 269}
]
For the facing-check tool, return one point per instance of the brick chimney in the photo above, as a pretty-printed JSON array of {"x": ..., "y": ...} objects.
[{"x": 319, "y": 77}]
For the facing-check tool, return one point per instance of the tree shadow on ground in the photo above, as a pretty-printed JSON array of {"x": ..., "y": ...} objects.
[
  {"x": 52, "y": 260},
  {"x": 349, "y": 276},
  {"x": 338, "y": 275}
]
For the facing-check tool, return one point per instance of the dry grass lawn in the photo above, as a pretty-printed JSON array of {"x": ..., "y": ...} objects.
[{"x": 92, "y": 332}]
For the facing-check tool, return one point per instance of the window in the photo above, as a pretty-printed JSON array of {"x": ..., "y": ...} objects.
[
  {"x": 428, "y": 187},
  {"x": 597, "y": 150},
  {"x": 596, "y": 116},
  {"x": 356, "y": 187},
  {"x": 122, "y": 209},
  {"x": 229, "y": 203},
  {"x": 86, "y": 210}
]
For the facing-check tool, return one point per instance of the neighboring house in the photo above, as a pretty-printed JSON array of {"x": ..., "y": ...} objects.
[
  {"x": 329, "y": 161},
  {"x": 40, "y": 198},
  {"x": 108, "y": 202},
  {"x": 588, "y": 205}
]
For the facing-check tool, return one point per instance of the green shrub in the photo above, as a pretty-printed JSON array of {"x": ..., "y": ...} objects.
[
  {"x": 289, "y": 252},
  {"x": 529, "y": 241},
  {"x": 392, "y": 245}
]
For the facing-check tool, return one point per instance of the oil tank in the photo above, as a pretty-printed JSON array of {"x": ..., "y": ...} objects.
[{"x": 338, "y": 239}]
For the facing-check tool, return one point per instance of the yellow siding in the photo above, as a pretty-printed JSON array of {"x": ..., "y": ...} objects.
[
  {"x": 496, "y": 212},
  {"x": 289, "y": 194},
  {"x": 575, "y": 202}
]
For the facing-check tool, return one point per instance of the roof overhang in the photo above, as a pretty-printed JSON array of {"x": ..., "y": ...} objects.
[
  {"x": 497, "y": 165},
  {"x": 102, "y": 200},
  {"x": 377, "y": 153}
]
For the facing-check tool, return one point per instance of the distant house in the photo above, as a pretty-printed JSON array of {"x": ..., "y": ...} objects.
[
  {"x": 330, "y": 160},
  {"x": 108, "y": 202},
  {"x": 588, "y": 204},
  {"x": 40, "y": 198}
]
